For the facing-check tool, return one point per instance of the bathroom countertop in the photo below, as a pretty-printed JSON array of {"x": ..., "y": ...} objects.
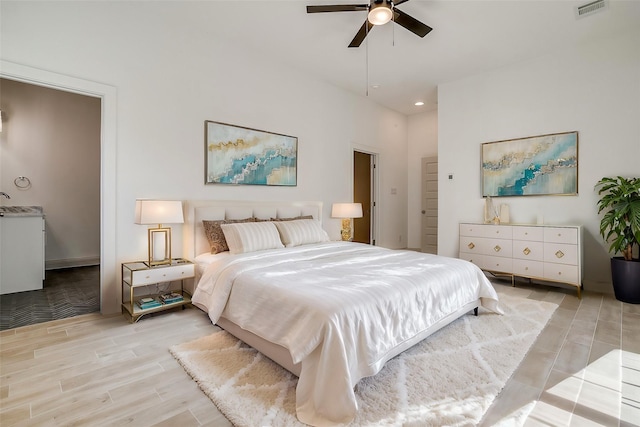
[{"x": 18, "y": 211}]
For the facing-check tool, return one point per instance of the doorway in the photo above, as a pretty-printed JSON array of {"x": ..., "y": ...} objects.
[
  {"x": 109, "y": 287},
  {"x": 364, "y": 167},
  {"x": 53, "y": 137},
  {"x": 429, "y": 241}
]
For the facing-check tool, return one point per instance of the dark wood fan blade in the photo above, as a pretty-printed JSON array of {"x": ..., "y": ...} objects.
[
  {"x": 399, "y": 2},
  {"x": 362, "y": 33},
  {"x": 410, "y": 23},
  {"x": 337, "y": 8}
]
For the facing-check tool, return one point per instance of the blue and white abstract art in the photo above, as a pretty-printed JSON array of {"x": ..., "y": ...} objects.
[
  {"x": 537, "y": 165},
  {"x": 239, "y": 155}
]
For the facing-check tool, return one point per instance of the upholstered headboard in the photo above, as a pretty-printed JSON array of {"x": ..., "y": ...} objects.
[{"x": 195, "y": 241}]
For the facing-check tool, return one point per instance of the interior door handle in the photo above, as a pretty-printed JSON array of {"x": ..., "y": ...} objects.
[{"x": 424, "y": 212}]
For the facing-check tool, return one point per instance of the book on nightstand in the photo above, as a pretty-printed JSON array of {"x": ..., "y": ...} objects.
[
  {"x": 171, "y": 298},
  {"x": 145, "y": 303}
]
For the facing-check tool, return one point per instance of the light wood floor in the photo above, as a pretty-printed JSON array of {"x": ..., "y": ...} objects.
[{"x": 95, "y": 370}]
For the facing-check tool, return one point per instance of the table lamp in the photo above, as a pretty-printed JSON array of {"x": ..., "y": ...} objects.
[
  {"x": 159, "y": 212},
  {"x": 346, "y": 211}
]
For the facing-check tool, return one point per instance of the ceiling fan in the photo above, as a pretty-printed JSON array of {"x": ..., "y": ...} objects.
[{"x": 379, "y": 13}]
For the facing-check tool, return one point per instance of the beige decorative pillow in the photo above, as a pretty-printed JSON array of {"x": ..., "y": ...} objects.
[
  {"x": 301, "y": 232},
  {"x": 214, "y": 233},
  {"x": 251, "y": 237}
]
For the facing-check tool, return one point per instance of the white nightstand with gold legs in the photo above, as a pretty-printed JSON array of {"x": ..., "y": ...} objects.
[{"x": 155, "y": 284}]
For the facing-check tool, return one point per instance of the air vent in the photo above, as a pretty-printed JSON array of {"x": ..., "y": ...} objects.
[{"x": 591, "y": 8}]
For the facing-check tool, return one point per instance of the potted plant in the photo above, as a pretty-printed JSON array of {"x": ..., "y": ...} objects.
[{"x": 620, "y": 225}]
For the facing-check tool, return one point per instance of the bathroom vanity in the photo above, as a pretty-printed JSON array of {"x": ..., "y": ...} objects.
[{"x": 22, "y": 241}]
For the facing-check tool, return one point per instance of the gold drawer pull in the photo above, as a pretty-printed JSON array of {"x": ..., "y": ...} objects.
[
  {"x": 526, "y": 269},
  {"x": 559, "y": 254},
  {"x": 497, "y": 248},
  {"x": 471, "y": 245},
  {"x": 526, "y": 251}
]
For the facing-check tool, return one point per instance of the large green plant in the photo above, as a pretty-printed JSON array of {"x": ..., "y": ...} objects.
[{"x": 620, "y": 202}]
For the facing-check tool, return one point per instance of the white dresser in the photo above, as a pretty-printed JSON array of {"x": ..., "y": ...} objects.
[{"x": 544, "y": 252}]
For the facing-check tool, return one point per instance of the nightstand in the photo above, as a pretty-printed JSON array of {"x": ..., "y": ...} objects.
[{"x": 158, "y": 283}]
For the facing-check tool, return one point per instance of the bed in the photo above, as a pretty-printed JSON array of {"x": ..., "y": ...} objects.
[{"x": 330, "y": 312}]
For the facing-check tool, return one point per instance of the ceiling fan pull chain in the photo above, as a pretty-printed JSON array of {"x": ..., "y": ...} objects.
[
  {"x": 366, "y": 55},
  {"x": 393, "y": 28}
]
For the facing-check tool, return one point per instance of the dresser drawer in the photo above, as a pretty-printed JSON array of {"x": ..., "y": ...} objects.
[
  {"x": 486, "y": 230},
  {"x": 561, "y": 235},
  {"x": 163, "y": 274},
  {"x": 562, "y": 273},
  {"x": 528, "y": 250},
  {"x": 485, "y": 246},
  {"x": 497, "y": 264},
  {"x": 535, "y": 234},
  {"x": 528, "y": 268},
  {"x": 476, "y": 259},
  {"x": 561, "y": 253}
]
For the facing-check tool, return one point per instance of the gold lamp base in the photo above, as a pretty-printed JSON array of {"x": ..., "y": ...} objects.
[
  {"x": 159, "y": 246},
  {"x": 346, "y": 229}
]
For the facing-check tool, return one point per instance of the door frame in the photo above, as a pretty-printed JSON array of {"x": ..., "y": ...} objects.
[
  {"x": 375, "y": 194},
  {"x": 109, "y": 292}
]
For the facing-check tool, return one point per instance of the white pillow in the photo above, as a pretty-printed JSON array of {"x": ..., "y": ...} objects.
[
  {"x": 301, "y": 232},
  {"x": 251, "y": 236}
]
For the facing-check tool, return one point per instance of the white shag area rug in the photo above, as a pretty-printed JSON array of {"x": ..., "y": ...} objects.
[{"x": 450, "y": 378}]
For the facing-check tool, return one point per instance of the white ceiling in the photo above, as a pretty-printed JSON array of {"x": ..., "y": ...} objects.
[{"x": 469, "y": 37}]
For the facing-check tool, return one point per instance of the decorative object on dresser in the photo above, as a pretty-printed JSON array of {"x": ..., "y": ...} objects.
[
  {"x": 240, "y": 155},
  {"x": 536, "y": 165},
  {"x": 620, "y": 225},
  {"x": 346, "y": 211},
  {"x": 160, "y": 278},
  {"x": 159, "y": 238},
  {"x": 542, "y": 252},
  {"x": 495, "y": 214}
]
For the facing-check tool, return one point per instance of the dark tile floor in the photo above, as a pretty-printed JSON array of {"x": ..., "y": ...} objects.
[{"x": 66, "y": 293}]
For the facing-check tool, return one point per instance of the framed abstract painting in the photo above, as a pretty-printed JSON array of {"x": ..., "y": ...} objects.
[
  {"x": 239, "y": 155},
  {"x": 532, "y": 166}
]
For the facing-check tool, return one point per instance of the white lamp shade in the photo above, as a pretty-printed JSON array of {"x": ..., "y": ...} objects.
[
  {"x": 346, "y": 210},
  {"x": 159, "y": 212}
]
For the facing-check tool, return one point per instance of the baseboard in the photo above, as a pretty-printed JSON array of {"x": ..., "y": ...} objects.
[{"x": 55, "y": 264}]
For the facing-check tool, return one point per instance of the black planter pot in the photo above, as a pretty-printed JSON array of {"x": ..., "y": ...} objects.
[{"x": 626, "y": 279}]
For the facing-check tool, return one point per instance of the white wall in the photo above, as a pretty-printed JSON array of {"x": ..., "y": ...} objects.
[
  {"x": 422, "y": 142},
  {"x": 170, "y": 79},
  {"x": 593, "y": 89}
]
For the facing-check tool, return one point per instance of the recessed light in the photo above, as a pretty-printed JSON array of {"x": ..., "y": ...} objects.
[
  {"x": 375, "y": 86},
  {"x": 419, "y": 104}
]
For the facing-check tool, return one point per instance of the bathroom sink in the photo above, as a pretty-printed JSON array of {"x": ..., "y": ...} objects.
[{"x": 6, "y": 211}]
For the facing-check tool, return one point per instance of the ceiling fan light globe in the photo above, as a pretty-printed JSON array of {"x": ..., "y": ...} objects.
[{"x": 379, "y": 15}]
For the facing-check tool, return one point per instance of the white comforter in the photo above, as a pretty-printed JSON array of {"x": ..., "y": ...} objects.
[{"x": 340, "y": 308}]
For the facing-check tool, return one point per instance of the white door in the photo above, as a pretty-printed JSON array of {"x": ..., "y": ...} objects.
[{"x": 430, "y": 205}]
